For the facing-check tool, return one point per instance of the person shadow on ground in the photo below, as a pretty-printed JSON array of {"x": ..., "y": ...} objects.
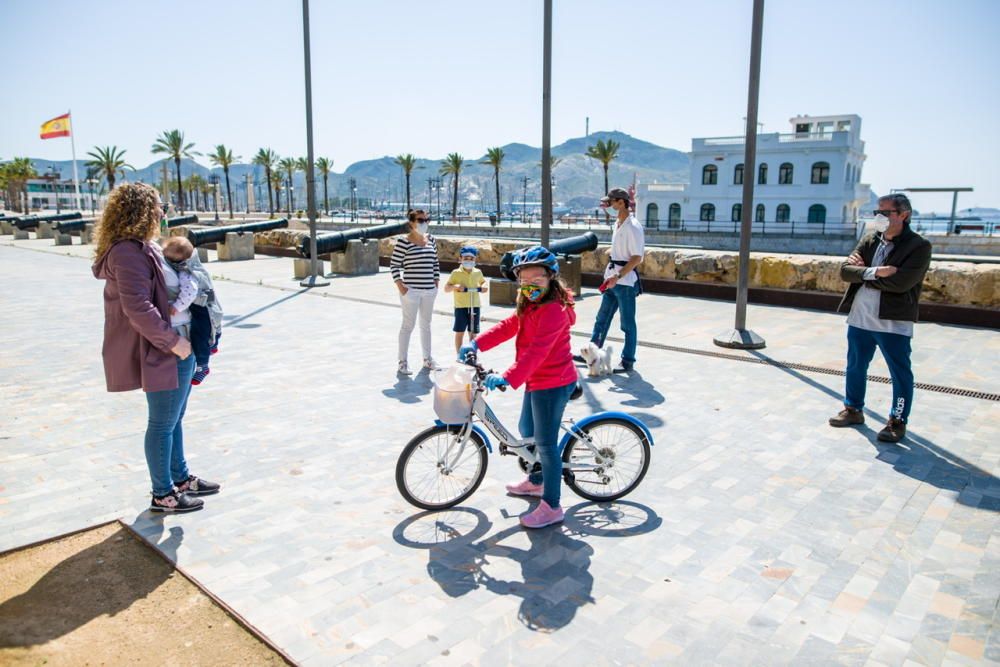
[
  {"x": 409, "y": 389},
  {"x": 100, "y": 580},
  {"x": 643, "y": 392}
]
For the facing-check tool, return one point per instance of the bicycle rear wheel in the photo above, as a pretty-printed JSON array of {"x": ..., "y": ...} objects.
[
  {"x": 615, "y": 468},
  {"x": 422, "y": 476}
]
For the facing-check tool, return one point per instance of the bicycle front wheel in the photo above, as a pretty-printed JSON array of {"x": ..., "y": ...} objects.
[
  {"x": 611, "y": 465},
  {"x": 429, "y": 476}
]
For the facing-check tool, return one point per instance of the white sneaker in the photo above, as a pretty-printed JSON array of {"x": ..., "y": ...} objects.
[
  {"x": 403, "y": 369},
  {"x": 430, "y": 363}
]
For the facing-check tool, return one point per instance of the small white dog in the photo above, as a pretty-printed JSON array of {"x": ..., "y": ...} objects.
[{"x": 598, "y": 359}]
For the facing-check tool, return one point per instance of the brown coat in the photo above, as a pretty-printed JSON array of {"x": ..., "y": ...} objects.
[{"x": 137, "y": 332}]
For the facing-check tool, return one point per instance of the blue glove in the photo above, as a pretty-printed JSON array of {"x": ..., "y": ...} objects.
[
  {"x": 494, "y": 381},
  {"x": 466, "y": 349}
]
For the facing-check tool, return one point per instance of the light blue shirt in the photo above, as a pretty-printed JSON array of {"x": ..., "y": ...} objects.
[{"x": 864, "y": 310}]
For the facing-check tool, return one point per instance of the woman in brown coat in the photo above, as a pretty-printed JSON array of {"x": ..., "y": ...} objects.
[{"x": 141, "y": 349}]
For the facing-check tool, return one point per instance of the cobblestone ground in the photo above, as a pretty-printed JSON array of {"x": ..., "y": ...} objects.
[{"x": 760, "y": 535}]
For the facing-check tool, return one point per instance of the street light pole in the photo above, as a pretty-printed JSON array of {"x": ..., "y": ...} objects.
[
  {"x": 311, "y": 281},
  {"x": 214, "y": 180},
  {"x": 547, "y": 124},
  {"x": 740, "y": 337},
  {"x": 524, "y": 200}
]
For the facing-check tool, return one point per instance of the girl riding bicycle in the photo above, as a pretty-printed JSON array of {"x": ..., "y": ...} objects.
[{"x": 544, "y": 363}]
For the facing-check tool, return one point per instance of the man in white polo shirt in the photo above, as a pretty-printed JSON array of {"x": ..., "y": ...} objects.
[{"x": 621, "y": 279}]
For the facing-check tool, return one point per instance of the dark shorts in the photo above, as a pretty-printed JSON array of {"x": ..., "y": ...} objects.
[{"x": 462, "y": 320}]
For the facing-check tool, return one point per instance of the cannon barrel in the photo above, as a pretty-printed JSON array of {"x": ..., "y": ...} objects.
[
  {"x": 337, "y": 241},
  {"x": 31, "y": 222},
  {"x": 218, "y": 234},
  {"x": 67, "y": 226},
  {"x": 182, "y": 220},
  {"x": 572, "y": 245}
]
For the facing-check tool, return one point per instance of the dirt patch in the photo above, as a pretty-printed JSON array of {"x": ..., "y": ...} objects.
[{"x": 102, "y": 597}]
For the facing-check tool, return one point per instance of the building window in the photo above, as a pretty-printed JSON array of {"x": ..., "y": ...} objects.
[
  {"x": 821, "y": 173},
  {"x": 759, "y": 217},
  {"x": 709, "y": 175},
  {"x": 652, "y": 215},
  {"x": 785, "y": 173},
  {"x": 762, "y": 174},
  {"x": 708, "y": 212},
  {"x": 674, "y": 216},
  {"x": 817, "y": 213},
  {"x": 737, "y": 212},
  {"x": 783, "y": 213},
  {"x": 738, "y": 175}
]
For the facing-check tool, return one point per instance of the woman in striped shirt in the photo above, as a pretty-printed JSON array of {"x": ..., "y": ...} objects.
[{"x": 414, "y": 267}]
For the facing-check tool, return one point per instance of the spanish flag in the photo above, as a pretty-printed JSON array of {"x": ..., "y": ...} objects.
[{"x": 57, "y": 127}]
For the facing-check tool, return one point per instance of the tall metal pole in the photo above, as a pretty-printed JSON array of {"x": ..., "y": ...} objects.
[
  {"x": 954, "y": 205},
  {"x": 740, "y": 337},
  {"x": 547, "y": 125},
  {"x": 311, "y": 281}
]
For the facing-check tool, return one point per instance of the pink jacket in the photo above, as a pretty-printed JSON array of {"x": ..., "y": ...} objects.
[
  {"x": 543, "y": 358},
  {"x": 137, "y": 333}
]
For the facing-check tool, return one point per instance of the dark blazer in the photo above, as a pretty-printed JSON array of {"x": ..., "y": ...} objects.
[
  {"x": 911, "y": 255},
  {"x": 137, "y": 332}
]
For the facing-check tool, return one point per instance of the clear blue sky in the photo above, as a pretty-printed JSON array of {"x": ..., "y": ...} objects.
[{"x": 393, "y": 76}]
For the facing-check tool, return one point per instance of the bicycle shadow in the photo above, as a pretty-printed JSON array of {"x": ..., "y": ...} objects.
[
  {"x": 917, "y": 457},
  {"x": 555, "y": 568}
]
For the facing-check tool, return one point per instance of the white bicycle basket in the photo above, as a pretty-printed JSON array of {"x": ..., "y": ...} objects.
[{"x": 453, "y": 393}]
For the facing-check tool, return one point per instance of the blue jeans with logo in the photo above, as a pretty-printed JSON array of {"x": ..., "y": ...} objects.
[
  {"x": 895, "y": 348},
  {"x": 541, "y": 414},
  {"x": 620, "y": 298},
  {"x": 164, "y": 435}
]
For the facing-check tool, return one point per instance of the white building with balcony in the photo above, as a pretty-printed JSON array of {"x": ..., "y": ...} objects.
[{"x": 807, "y": 181}]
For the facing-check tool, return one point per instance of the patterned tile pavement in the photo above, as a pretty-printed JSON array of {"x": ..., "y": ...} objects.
[{"x": 760, "y": 535}]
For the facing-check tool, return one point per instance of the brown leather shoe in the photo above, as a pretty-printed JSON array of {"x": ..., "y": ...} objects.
[
  {"x": 848, "y": 417},
  {"x": 894, "y": 431}
]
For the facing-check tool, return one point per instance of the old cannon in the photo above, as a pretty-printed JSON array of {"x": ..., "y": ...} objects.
[
  {"x": 32, "y": 221},
  {"x": 572, "y": 245},
  {"x": 67, "y": 226},
  {"x": 218, "y": 234},
  {"x": 182, "y": 220},
  {"x": 337, "y": 241}
]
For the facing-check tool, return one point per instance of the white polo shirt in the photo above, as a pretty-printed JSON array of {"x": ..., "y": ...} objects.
[{"x": 627, "y": 239}]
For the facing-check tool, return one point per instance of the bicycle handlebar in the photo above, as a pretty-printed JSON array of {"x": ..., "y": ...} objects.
[{"x": 471, "y": 359}]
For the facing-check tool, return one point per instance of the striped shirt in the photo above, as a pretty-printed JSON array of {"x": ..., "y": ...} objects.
[{"x": 416, "y": 265}]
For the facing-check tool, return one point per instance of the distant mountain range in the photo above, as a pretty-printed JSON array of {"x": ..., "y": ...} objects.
[{"x": 579, "y": 180}]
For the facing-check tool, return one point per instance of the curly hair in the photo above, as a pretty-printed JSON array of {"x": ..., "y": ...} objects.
[
  {"x": 558, "y": 291},
  {"x": 130, "y": 213}
]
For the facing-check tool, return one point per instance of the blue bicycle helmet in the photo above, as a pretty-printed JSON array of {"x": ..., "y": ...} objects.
[
  {"x": 535, "y": 256},
  {"x": 468, "y": 250}
]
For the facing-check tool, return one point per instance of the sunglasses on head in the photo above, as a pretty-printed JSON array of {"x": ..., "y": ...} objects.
[{"x": 885, "y": 211}]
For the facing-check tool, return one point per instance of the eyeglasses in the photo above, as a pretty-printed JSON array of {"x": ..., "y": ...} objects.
[{"x": 885, "y": 211}]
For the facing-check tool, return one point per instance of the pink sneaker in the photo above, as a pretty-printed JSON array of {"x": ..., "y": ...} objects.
[
  {"x": 542, "y": 516},
  {"x": 525, "y": 488}
]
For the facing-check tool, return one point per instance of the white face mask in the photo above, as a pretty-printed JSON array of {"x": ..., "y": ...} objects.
[
  {"x": 469, "y": 264},
  {"x": 422, "y": 227},
  {"x": 880, "y": 224}
]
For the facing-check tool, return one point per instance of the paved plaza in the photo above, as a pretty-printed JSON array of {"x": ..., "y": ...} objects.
[{"x": 760, "y": 535}]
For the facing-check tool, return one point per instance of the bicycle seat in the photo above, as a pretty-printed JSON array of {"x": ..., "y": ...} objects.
[{"x": 577, "y": 391}]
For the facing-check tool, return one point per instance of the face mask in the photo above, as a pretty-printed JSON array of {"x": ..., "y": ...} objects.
[
  {"x": 469, "y": 264},
  {"x": 880, "y": 224},
  {"x": 533, "y": 293},
  {"x": 422, "y": 227}
]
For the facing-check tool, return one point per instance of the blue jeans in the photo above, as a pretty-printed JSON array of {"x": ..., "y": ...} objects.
[
  {"x": 619, "y": 298},
  {"x": 164, "y": 435},
  {"x": 861, "y": 345},
  {"x": 541, "y": 414}
]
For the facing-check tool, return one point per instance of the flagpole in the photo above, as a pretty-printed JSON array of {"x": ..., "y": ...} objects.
[{"x": 72, "y": 144}]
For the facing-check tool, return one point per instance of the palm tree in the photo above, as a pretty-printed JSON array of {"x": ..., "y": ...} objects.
[
  {"x": 302, "y": 164},
  {"x": 196, "y": 186},
  {"x": 109, "y": 161},
  {"x": 171, "y": 142},
  {"x": 453, "y": 165},
  {"x": 408, "y": 163},
  {"x": 276, "y": 184},
  {"x": 205, "y": 189},
  {"x": 604, "y": 152},
  {"x": 223, "y": 157},
  {"x": 14, "y": 177},
  {"x": 267, "y": 158},
  {"x": 494, "y": 158},
  {"x": 325, "y": 166},
  {"x": 289, "y": 165}
]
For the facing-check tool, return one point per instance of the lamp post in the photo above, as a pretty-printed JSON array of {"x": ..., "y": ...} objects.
[
  {"x": 214, "y": 180},
  {"x": 524, "y": 200},
  {"x": 92, "y": 182}
]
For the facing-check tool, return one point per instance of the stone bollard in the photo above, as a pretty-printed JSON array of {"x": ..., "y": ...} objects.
[
  {"x": 570, "y": 270},
  {"x": 6, "y": 228},
  {"x": 202, "y": 254},
  {"x": 61, "y": 238},
  {"x": 359, "y": 258},
  {"x": 21, "y": 235},
  {"x": 502, "y": 292},
  {"x": 45, "y": 231},
  {"x": 237, "y": 247},
  {"x": 87, "y": 234},
  {"x": 301, "y": 268}
]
